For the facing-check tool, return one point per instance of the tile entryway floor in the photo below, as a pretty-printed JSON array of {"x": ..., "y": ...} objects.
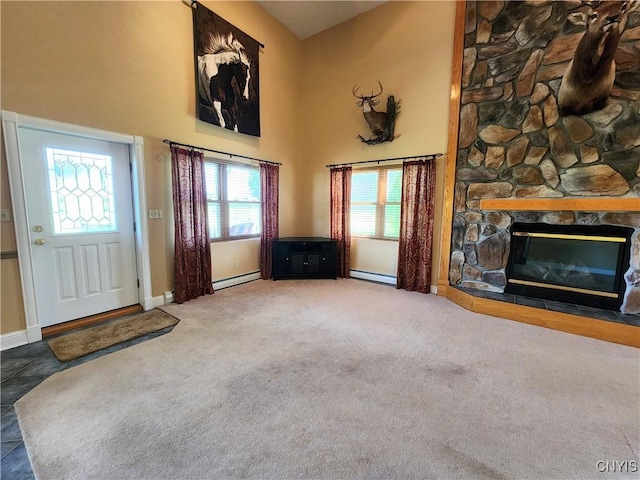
[{"x": 22, "y": 368}]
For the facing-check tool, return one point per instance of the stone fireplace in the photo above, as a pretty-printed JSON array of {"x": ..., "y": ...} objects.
[{"x": 519, "y": 160}]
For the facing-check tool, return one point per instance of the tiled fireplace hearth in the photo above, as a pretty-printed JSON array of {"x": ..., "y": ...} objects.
[{"x": 546, "y": 307}]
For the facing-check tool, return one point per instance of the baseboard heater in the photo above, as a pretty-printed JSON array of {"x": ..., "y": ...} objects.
[
  {"x": 582, "y": 264},
  {"x": 372, "y": 277},
  {"x": 237, "y": 280}
]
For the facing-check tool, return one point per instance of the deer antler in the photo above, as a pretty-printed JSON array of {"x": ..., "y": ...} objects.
[
  {"x": 354, "y": 91},
  {"x": 379, "y": 93}
]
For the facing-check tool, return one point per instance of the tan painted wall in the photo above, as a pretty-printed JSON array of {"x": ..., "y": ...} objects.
[
  {"x": 10, "y": 296},
  {"x": 11, "y": 307},
  {"x": 224, "y": 256},
  {"x": 378, "y": 256},
  {"x": 405, "y": 45},
  {"x": 128, "y": 67}
]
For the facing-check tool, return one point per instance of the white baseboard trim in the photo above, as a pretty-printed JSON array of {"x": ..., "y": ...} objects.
[
  {"x": 154, "y": 302},
  {"x": 13, "y": 339},
  {"x": 376, "y": 277},
  {"x": 149, "y": 303},
  {"x": 34, "y": 334},
  {"x": 373, "y": 277},
  {"x": 219, "y": 285},
  {"x": 233, "y": 281}
]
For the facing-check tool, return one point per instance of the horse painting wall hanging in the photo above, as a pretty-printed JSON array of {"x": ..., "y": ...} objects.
[{"x": 226, "y": 74}]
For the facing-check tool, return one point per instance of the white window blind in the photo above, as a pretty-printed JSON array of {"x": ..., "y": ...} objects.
[
  {"x": 375, "y": 202},
  {"x": 233, "y": 200}
]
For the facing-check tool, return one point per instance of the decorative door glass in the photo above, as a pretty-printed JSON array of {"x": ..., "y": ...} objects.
[{"x": 82, "y": 195}]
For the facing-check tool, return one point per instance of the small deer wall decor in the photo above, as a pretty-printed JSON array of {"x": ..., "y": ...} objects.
[
  {"x": 588, "y": 80},
  {"x": 382, "y": 124}
]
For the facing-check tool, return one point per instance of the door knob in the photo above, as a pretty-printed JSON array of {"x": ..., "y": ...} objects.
[
  {"x": 37, "y": 228},
  {"x": 39, "y": 241}
]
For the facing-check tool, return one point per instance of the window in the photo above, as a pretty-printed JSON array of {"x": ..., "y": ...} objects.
[
  {"x": 81, "y": 191},
  {"x": 375, "y": 203},
  {"x": 233, "y": 200}
]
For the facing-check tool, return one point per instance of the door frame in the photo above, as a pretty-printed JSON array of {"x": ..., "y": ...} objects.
[{"x": 11, "y": 121}]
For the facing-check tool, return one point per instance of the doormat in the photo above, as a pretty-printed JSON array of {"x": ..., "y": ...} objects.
[{"x": 77, "y": 344}]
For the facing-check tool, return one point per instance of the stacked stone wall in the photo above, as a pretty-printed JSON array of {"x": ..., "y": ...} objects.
[{"x": 513, "y": 142}]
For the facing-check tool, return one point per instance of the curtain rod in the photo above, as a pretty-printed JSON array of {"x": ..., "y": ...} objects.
[
  {"x": 194, "y": 4},
  {"x": 171, "y": 142},
  {"x": 431, "y": 155}
]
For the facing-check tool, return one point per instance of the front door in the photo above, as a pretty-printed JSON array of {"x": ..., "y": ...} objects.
[{"x": 80, "y": 218}]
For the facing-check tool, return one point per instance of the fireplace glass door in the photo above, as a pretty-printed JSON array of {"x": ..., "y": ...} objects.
[{"x": 576, "y": 264}]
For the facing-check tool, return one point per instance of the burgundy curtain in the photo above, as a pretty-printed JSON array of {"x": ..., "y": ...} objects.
[
  {"x": 340, "y": 216},
  {"x": 416, "y": 225},
  {"x": 269, "y": 175},
  {"x": 192, "y": 266}
]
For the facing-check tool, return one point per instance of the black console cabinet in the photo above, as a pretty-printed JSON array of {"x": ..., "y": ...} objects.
[{"x": 304, "y": 257}]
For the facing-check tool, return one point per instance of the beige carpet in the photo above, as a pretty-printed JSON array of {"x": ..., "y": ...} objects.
[
  {"x": 339, "y": 379},
  {"x": 89, "y": 340}
]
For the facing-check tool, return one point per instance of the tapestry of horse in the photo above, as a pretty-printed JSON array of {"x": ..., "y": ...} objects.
[{"x": 226, "y": 74}]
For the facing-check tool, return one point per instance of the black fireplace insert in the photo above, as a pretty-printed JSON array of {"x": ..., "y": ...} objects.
[{"x": 581, "y": 264}]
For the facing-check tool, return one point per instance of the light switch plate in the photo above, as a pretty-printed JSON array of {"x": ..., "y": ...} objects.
[{"x": 155, "y": 213}]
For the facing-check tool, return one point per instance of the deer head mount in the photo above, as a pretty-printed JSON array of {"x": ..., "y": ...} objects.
[
  {"x": 587, "y": 82},
  {"x": 382, "y": 124}
]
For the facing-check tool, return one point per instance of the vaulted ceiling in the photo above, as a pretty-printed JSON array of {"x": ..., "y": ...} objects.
[{"x": 306, "y": 18}]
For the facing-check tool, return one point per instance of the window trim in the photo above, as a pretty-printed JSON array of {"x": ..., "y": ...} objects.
[
  {"x": 381, "y": 202},
  {"x": 223, "y": 202}
]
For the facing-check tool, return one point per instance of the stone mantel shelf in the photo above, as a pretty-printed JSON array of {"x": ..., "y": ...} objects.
[{"x": 604, "y": 204}]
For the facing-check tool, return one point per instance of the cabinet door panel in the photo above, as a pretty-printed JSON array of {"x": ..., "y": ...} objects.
[
  {"x": 313, "y": 263},
  {"x": 281, "y": 260},
  {"x": 297, "y": 263},
  {"x": 328, "y": 264}
]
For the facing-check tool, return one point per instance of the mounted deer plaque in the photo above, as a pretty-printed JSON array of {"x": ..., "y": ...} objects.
[
  {"x": 588, "y": 80},
  {"x": 382, "y": 124}
]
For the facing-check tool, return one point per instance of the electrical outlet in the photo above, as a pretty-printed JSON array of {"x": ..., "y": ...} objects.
[
  {"x": 5, "y": 215},
  {"x": 155, "y": 213}
]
